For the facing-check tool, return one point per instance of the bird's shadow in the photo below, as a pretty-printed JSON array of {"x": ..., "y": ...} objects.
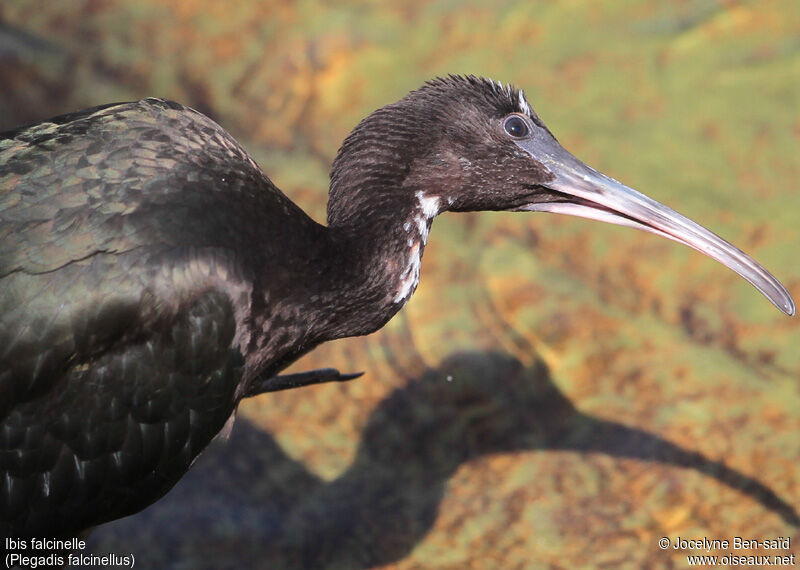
[{"x": 248, "y": 501}]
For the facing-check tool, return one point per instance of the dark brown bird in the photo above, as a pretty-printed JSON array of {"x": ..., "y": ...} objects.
[{"x": 152, "y": 276}]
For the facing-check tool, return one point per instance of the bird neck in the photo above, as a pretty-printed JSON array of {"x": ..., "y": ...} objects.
[
  {"x": 380, "y": 210},
  {"x": 383, "y": 250}
]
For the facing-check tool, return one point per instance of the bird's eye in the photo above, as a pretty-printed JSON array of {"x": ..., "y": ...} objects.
[{"x": 516, "y": 127}]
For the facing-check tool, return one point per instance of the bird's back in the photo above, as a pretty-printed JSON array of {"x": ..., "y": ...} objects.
[{"x": 122, "y": 176}]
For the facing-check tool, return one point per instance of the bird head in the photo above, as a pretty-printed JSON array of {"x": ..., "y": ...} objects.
[{"x": 470, "y": 144}]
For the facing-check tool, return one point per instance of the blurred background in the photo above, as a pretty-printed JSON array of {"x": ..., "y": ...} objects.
[{"x": 558, "y": 393}]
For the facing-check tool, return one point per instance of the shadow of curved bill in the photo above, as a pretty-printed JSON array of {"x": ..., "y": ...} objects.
[{"x": 249, "y": 501}]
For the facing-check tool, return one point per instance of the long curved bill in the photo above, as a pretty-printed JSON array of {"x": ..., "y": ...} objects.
[{"x": 582, "y": 191}]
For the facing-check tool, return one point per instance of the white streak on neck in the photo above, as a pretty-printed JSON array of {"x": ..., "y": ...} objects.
[
  {"x": 429, "y": 204},
  {"x": 409, "y": 278}
]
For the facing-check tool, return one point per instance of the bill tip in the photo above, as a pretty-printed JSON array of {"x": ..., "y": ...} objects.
[{"x": 788, "y": 306}]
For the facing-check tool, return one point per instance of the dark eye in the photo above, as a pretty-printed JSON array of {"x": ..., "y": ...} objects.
[{"x": 516, "y": 127}]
